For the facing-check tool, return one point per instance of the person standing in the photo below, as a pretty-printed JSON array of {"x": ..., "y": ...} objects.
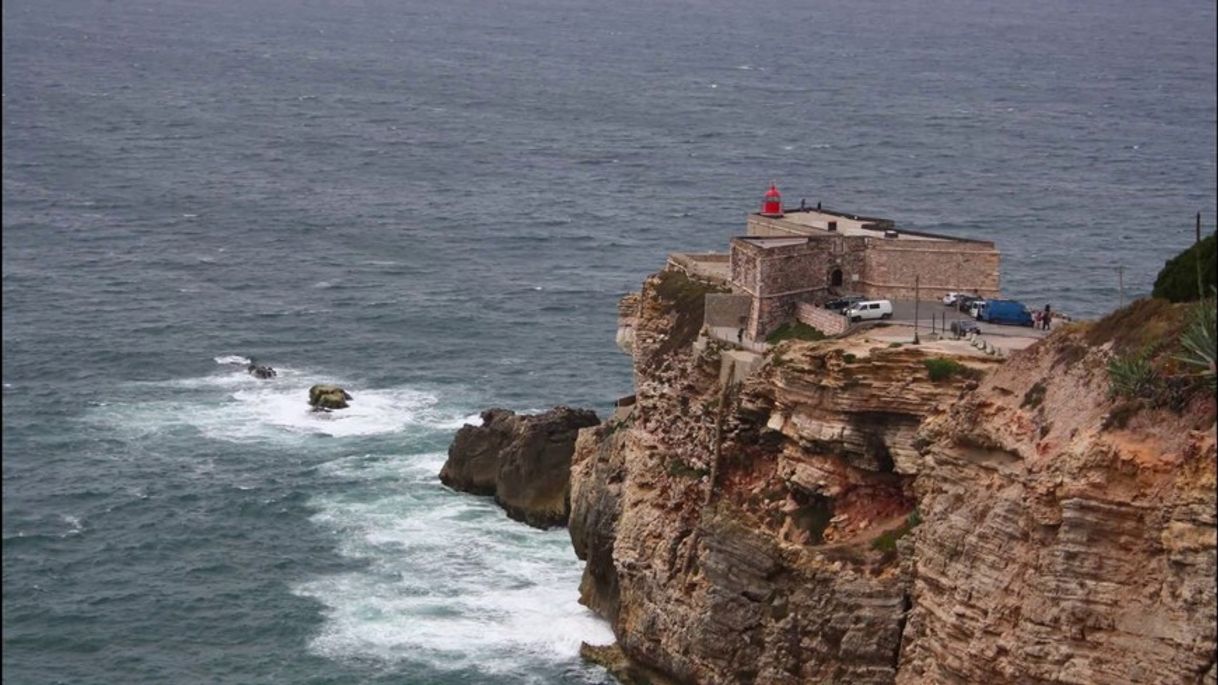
[{"x": 1046, "y": 317}]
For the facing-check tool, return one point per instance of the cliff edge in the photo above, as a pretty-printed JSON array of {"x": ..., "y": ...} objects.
[{"x": 868, "y": 512}]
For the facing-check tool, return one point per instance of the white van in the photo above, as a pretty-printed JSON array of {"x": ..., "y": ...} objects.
[{"x": 870, "y": 309}]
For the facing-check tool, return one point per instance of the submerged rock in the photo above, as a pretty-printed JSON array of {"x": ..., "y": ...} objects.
[
  {"x": 524, "y": 461},
  {"x": 327, "y": 397},
  {"x": 260, "y": 371}
]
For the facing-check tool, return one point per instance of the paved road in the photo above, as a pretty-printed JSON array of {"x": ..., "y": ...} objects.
[{"x": 903, "y": 312}]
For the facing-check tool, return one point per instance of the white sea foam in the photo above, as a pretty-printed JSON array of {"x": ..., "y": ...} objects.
[
  {"x": 75, "y": 527},
  {"x": 241, "y": 408},
  {"x": 450, "y": 581},
  {"x": 232, "y": 359},
  {"x": 270, "y": 410}
]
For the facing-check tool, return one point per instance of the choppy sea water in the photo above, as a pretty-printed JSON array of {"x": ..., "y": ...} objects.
[{"x": 438, "y": 207}]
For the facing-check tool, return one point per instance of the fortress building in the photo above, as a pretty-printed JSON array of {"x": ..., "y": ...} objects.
[{"x": 807, "y": 256}]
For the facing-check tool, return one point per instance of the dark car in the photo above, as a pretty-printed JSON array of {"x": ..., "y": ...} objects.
[
  {"x": 965, "y": 301},
  {"x": 841, "y": 304},
  {"x": 963, "y": 327}
]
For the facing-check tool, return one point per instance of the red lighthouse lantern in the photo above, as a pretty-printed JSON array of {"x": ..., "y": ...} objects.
[{"x": 771, "y": 205}]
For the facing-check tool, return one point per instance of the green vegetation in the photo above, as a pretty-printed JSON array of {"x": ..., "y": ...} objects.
[
  {"x": 778, "y": 359},
  {"x": 887, "y": 541},
  {"x": 1199, "y": 341},
  {"x": 941, "y": 369},
  {"x": 686, "y": 299},
  {"x": 1131, "y": 376},
  {"x": 680, "y": 469},
  {"x": 894, "y": 345},
  {"x": 795, "y": 330},
  {"x": 1034, "y": 396},
  {"x": 849, "y": 358},
  {"x": 1178, "y": 279}
]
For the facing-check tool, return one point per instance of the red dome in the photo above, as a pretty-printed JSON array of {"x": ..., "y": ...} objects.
[{"x": 771, "y": 205}]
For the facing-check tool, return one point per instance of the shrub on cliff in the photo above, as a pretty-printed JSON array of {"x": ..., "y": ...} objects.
[
  {"x": 796, "y": 330},
  {"x": 1132, "y": 376},
  {"x": 1178, "y": 279},
  {"x": 941, "y": 369}
]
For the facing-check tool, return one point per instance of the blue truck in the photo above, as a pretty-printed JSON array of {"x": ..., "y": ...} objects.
[{"x": 1010, "y": 312}]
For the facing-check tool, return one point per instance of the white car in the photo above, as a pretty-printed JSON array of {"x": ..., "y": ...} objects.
[
  {"x": 869, "y": 309},
  {"x": 950, "y": 298}
]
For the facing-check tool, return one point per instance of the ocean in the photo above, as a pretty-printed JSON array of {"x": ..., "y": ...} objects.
[{"x": 438, "y": 205}]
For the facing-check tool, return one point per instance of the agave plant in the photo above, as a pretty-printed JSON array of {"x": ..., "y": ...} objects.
[
  {"x": 1131, "y": 376},
  {"x": 1199, "y": 341}
]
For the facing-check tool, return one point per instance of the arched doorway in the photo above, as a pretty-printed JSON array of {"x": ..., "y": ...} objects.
[{"x": 835, "y": 278}]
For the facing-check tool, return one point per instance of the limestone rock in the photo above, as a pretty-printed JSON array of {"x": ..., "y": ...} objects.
[
  {"x": 326, "y": 397},
  {"x": 524, "y": 461},
  {"x": 839, "y": 517}
]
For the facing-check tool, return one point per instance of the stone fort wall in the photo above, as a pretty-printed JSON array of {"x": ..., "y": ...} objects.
[
  {"x": 779, "y": 277},
  {"x": 940, "y": 267}
]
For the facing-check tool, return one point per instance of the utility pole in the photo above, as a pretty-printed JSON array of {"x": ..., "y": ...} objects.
[
  {"x": 1121, "y": 283},
  {"x": 1197, "y": 259},
  {"x": 917, "y": 301}
]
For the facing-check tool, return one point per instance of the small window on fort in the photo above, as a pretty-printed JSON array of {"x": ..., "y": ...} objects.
[{"x": 835, "y": 278}]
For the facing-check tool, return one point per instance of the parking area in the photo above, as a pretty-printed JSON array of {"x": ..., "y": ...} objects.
[{"x": 903, "y": 312}]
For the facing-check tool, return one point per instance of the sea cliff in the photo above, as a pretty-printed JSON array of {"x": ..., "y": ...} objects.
[{"x": 867, "y": 512}]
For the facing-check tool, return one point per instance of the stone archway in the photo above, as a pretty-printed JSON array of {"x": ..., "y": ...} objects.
[{"x": 835, "y": 278}]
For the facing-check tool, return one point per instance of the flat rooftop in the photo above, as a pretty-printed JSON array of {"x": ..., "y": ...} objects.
[
  {"x": 809, "y": 222},
  {"x": 772, "y": 241}
]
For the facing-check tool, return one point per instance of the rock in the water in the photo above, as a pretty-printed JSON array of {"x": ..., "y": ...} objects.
[
  {"x": 524, "y": 461},
  {"x": 617, "y": 663},
  {"x": 328, "y": 397},
  {"x": 260, "y": 371}
]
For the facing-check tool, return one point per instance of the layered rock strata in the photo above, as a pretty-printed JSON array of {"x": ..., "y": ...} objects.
[
  {"x": 842, "y": 517},
  {"x": 524, "y": 461},
  {"x": 1059, "y": 547}
]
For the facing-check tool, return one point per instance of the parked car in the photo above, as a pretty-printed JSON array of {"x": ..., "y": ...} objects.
[
  {"x": 950, "y": 298},
  {"x": 841, "y": 304},
  {"x": 962, "y": 327},
  {"x": 965, "y": 301},
  {"x": 870, "y": 309},
  {"x": 1010, "y": 312}
]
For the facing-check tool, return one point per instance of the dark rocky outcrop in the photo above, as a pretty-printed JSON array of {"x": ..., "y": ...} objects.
[
  {"x": 524, "y": 461},
  {"x": 326, "y": 397},
  {"x": 260, "y": 371}
]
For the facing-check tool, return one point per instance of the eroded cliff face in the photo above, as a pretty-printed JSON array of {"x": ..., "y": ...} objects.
[
  {"x": 1058, "y": 547},
  {"x": 749, "y": 533},
  {"x": 806, "y": 526}
]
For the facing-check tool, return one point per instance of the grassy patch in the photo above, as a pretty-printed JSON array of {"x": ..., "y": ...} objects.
[
  {"x": 686, "y": 299},
  {"x": 680, "y": 469},
  {"x": 795, "y": 330},
  {"x": 887, "y": 541},
  {"x": 1034, "y": 396},
  {"x": 1144, "y": 322},
  {"x": 894, "y": 345},
  {"x": 942, "y": 369}
]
